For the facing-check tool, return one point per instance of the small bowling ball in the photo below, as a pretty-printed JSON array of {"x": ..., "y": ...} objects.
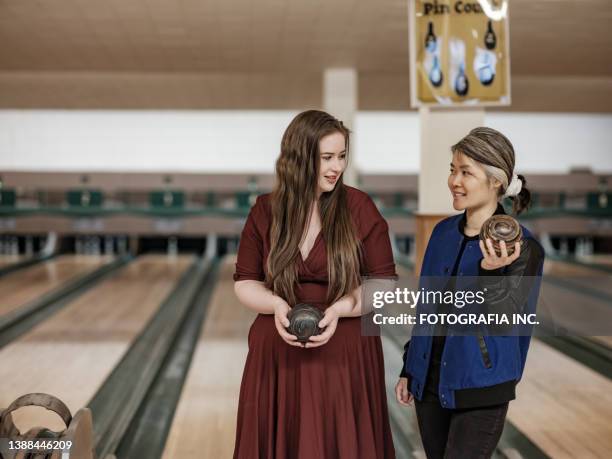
[
  {"x": 501, "y": 228},
  {"x": 304, "y": 321}
]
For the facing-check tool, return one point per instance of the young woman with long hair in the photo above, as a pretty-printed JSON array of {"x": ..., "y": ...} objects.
[
  {"x": 309, "y": 241},
  {"x": 462, "y": 384}
]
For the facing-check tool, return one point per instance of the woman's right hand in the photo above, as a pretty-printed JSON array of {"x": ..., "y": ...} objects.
[
  {"x": 281, "y": 309},
  {"x": 403, "y": 395}
]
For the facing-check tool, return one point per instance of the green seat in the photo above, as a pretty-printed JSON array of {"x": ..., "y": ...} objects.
[
  {"x": 562, "y": 199},
  {"x": 210, "y": 199},
  {"x": 173, "y": 199},
  {"x": 398, "y": 200},
  {"x": 8, "y": 198},
  {"x": 84, "y": 198},
  {"x": 599, "y": 200},
  {"x": 243, "y": 199}
]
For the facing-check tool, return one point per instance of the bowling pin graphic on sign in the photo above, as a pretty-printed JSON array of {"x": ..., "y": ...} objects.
[
  {"x": 462, "y": 84},
  {"x": 485, "y": 63},
  {"x": 485, "y": 60},
  {"x": 432, "y": 57},
  {"x": 458, "y": 78},
  {"x": 430, "y": 39},
  {"x": 490, "y": 39}
]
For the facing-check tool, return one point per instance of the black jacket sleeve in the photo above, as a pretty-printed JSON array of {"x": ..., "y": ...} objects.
[{"x": 507, "y": 289}]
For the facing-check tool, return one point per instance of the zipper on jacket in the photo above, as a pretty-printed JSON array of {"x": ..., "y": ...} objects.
[{"x": 484, "y": 352}]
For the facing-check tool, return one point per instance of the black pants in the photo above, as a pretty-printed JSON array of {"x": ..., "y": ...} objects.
[{"x": 464, "y": 434}]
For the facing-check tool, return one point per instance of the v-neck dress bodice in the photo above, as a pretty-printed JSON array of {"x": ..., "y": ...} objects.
[{"x": 327, "y": 402}]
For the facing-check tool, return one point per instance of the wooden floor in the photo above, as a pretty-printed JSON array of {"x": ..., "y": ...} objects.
[
  {"x": 562, "y": 406},
  {"x": 21, "y": 287},
  {"x": 6, "y": 260},
  {"x": 205, "y": 421},
  {"x": 605, "y": 340},
  {"x": 71, "y": 353},
  {"x": 405, "y": 417},
  {"x": 560, "y": 268},
  {"x": 581, "y": 276},
  {"x": 605, "y": 260}
]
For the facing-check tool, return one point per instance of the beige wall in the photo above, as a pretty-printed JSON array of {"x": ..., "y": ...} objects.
[{"x": 224, "y": 90}]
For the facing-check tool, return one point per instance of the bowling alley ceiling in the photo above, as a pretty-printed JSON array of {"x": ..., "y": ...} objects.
[{"x": 270, "y": 54}]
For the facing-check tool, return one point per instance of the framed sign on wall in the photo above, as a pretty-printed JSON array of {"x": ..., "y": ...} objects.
[{"x": 459, "y": 53}]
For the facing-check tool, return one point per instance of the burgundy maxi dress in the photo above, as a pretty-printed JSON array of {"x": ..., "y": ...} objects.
[{"x": 327, "y": 402}]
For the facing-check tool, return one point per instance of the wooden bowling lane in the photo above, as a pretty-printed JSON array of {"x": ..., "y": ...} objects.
[
  {"x": 562, "y": 268},
  {"x": 71, "y": 354},
  {"x": 6, "y": 260},
  {"x": 605, "y": 340},
  {"x": 565, "y": 268},
  {"x": 204, "y": 424},
  {"x": 406, "y": 437},
  {"x": 584, "y": 277},
  {"x": 562, "y": 406},
  {"x": 597, "y": 259},
  {"x": 582, "y": 283},
  {"x": 23, "y": 286}
]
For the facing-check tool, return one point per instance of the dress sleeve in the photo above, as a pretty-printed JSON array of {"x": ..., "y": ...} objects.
[
  {"x": 249, "y": 265},
  {"x": 377, "y": 257}
]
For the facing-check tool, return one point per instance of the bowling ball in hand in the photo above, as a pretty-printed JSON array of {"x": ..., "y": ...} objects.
[
  {"x": 304, "y": 321},
  {"x": 501, "y": 228}
]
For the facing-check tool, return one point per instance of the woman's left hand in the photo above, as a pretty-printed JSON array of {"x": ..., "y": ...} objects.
[
  {"x": 329, "y": 322},
  {"x": 493, "y": 261}
]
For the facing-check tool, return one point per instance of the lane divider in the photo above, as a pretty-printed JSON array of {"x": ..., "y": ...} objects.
[
  {"x": 24, "y": 264},
  {"x": 148, "y": 432},
  {"x": 116, "y": 404}
]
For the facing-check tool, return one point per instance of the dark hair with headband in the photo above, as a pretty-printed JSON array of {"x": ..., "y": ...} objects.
[{"x": 495, "y": 153}]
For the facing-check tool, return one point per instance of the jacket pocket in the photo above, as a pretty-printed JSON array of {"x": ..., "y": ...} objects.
[{"x": 484, "y": 352}]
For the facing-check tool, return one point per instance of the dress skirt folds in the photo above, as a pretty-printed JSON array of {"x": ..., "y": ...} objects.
[{"x": 327, "y": 402}]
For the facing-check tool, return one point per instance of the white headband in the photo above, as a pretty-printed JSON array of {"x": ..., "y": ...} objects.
[{"x": 514, "y": 188}]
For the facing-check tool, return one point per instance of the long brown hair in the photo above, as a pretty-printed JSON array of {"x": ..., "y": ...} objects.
[{"x": 295, "y": 192}]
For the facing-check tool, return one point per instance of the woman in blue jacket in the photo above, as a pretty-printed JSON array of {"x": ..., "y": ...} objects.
[{"x": 462, "y": 384}]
